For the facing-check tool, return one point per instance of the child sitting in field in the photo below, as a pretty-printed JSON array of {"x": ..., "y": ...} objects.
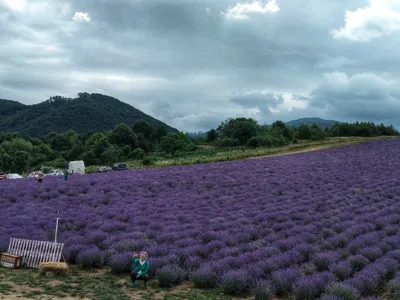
[{"x": 141, "y": 268}]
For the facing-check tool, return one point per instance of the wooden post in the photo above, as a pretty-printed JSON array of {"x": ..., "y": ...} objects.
[{"x": 55, "y": 238}]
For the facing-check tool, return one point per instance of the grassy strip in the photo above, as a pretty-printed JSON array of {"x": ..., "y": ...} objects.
[
  {"x": 97, "y": 285},
  {"x": 30, "y": 284},
  {"x": 230, "y": 154}
]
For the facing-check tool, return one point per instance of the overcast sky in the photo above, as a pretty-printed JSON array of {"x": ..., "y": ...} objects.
[{"x": 194, "y": 63}]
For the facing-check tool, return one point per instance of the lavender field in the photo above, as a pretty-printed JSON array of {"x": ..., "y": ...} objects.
[{"x": 303, "y": 224}]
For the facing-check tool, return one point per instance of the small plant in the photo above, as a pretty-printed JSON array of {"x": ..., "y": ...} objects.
[
  {"x": 309, "y": 269},
  {"x": 283, "y": 280},
  {"x": 119, "y": 263},
  {"x": 307, "y": 288},
  {"x": 169, "y": 276},
  {"x": 90, "y": 258},
  {"x": 366, "y": 282},
  {"x": 311, "y": 287},
  {"x": 262, "y": 290},
  {"x": 342, "y": 291},
  {"x": 342, "y": 270},
  {"x": 371, "y": 253},
  {"x": 235, "y": 282},
  {"x": 323, "y": 260},
  {"x": 358, "y": 262},
  {"x": 148, "y": 161},
  {"x": 393, "y": 289},
  {"x": 204, "y": 278}
]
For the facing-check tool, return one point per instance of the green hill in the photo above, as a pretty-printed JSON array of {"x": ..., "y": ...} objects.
[
  {"x": 87, "y": 112},
  {"x": 309, "y": 121},
  {"x": 8, "y": 107}
]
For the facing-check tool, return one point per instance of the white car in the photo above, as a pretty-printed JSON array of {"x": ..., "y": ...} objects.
[
  {"x": 55, "y": 173},
  {"x": 34, "y": 174},
  {"x": 14, "y": 176}
]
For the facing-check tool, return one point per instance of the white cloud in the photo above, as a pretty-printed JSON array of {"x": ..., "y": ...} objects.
[
  {"x": 17, "y": 5},
  {"x": 121, "y": 82},
  {"x": 380, "y": 18},
  {"x": 243, "y": 11},
  {"x": 81, "y": 17}
]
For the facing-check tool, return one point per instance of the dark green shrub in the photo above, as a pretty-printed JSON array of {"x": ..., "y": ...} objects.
[
  {"x": 59, "y": 163},
  {"x": 138, "y": 153},
  {"x": 148, "y": 161},
  {"x": 225, "y": 142},
  {"x": 255, "y": 142},
  {"x": 191, "y": 147}
]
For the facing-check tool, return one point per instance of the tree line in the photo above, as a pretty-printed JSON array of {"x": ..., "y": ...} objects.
[
  {"x": 19, "y": 153},
  {"x": 247, "y": 132}
]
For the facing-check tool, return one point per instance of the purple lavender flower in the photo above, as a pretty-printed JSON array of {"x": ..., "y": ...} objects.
[
  {"x": 358, "y": 262},
  {"x": 235, "y": 282},
  {"x": 90, "y": 257},
  {"x": 366, "y": 282},
  {"x": 323, "y": 260},
  {"x": 226, "y": 216},
  {"x": 342, "y": 270},
  {"x": 204, "y": 277},
  {"x": 340, "y": 291},
  {"x": 371, "y": 253},
  {"x": 283, "y": 280}
]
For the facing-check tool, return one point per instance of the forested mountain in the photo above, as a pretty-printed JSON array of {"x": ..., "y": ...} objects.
[
  {"x": 8, "y": 107},
  {"x": 86, "y": 113},
  {"x": 309, "y": 121}
]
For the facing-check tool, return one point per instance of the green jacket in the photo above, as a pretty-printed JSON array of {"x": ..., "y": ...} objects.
[{"x": 143, "y": 269}]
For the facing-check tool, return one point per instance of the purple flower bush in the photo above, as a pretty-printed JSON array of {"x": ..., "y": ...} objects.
[{"x": 299, "y": 222}]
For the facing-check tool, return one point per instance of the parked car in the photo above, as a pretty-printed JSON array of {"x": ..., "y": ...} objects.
[
  {"x": 3, "y": 175},
  {"x": 105, "y": 169},
  {"x": 14, "y": 176},
  {"x": 120, "y": 167},
  {"x": 34, "y": 174},
  {"x": 55, "y": 173}
]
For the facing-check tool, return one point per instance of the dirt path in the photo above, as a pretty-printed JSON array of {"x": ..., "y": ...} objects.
[{"x": 298, "y": 151}]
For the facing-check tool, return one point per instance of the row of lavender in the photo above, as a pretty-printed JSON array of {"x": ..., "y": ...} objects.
[{"x": 299, "y": 222}]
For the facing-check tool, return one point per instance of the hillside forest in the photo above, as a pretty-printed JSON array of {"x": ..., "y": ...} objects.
[
  {"x": 142, "y": 140},
  {"x": 85, "y": 113}
]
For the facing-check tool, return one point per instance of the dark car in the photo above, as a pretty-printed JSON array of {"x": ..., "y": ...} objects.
[
  {"x": 3, "y": 175},
  {"x": 120, "y": 167}
]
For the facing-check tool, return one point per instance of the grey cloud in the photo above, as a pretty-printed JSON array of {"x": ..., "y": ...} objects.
[
  {"x": 177, "y": 61},
  {"x": 299, "y": 97},
  {"x": 361, "y": 96},
  {"x": 263, "y": 101}
]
